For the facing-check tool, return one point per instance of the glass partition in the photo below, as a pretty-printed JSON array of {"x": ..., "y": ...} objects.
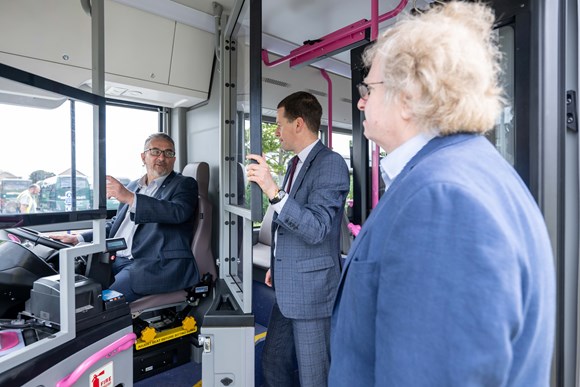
[
  {"x": 241, "y": 72},
  {"x": 503, "y": 135},
  {"x": 52, "y": 168},
  {"x": 48, "y": 162}
]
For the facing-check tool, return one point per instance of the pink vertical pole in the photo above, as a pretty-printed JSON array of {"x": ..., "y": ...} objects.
[
  {"x": 374, "y": 20},
  {"x": 375, "y": 152},
  {"x": 329, "y": 81}
]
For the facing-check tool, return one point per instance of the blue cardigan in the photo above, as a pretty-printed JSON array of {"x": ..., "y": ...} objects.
[{"x": 450, "y": 281}]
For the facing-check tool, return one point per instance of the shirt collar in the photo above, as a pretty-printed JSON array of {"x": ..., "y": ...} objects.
[
  {"x": 155, "y": 183},
  {"x": 306, "y": 151},
  {"x": 393, "y": 163}
]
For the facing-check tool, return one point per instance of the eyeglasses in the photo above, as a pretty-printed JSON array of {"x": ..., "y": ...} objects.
[
  {"x": 157, "y": 152},
  {"x": 364, "y": 90}
]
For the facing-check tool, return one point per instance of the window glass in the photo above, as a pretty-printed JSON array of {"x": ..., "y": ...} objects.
[
  {"x": 51, "y": 147},
  {"x": 38, "y": 150},
  {"x": 503, "y": 134},
  {"x": 127, "y": 129}
]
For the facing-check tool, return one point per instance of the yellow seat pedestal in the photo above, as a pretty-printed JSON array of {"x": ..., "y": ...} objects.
[{"x": 150, "y": 338}]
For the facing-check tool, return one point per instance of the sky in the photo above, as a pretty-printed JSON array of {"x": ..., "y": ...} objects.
[
  {"x": 35, "y": 139},
  {"x": 39, "y": 139}
]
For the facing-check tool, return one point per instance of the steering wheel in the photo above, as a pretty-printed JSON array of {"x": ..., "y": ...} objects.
[{"x": 35, "y": 237}]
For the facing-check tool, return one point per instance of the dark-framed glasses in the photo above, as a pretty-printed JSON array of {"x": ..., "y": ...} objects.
[
  {"x": 157, "y": 152},
  {"x": 364, "y": 89}
]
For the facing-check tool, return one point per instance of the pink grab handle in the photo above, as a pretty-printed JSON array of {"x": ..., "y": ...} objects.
[
  {"x": 354, "y": 228},
  {"x": 110, "y": 350}
]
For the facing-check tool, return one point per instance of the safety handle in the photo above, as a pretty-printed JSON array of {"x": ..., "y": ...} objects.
[{"x": 110, "y": 350}]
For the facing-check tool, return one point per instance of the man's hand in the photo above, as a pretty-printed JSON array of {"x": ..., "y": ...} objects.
[
  {"x": 116, "y": 189},
  {"x": 268, "y": 279},
  {"x": 65, "y": 238},
  {"x": 260, "y": 173}
]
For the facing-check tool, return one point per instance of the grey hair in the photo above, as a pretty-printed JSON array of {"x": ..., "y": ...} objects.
[
  {"x": 445, "y": 64},
  {"x": 155, "y": 136}
]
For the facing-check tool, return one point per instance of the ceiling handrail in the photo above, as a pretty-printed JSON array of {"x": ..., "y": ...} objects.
[{"x": 343, "y": 33}]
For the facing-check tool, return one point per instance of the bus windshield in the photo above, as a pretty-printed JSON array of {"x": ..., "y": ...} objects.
[{"x": 9, "y": 191}]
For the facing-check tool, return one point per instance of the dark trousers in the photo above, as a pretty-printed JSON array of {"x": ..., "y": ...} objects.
[
  {"x": 288, "y": 341},
  {"x": 122, "y": 284}
]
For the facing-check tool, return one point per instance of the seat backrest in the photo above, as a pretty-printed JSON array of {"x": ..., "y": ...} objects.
[
  {"x": 265, "y": 234},
  {"x": 262, "y": 251},
  {"x": 202, "y": 231}
]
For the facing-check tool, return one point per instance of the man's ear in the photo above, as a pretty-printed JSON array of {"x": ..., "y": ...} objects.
[
  {"x": 300, "y": 124},
  {"x": 143, "y": 158},
  {"x": 405, "y": 102}
]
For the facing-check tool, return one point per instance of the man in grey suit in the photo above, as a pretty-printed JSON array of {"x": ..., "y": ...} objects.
[
  {"x": 305, "y": 261},
  {"x": 156, "y": 218}
]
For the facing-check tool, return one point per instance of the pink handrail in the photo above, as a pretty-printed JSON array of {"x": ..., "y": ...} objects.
[
  {"x": 338, "y": 35},
  {"x": 110, "y": 350},
  {"x": 346, "y": 33},
  {"x": 329, "y": 81}
]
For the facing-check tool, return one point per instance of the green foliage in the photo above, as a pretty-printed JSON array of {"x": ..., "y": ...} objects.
[
  {"x": 39, "y": 175},
  {"x": 276, "y": 158}
]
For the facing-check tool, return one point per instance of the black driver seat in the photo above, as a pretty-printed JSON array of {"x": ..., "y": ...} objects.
[
  {"x": 201, "y": 245},
  {"x": 19, "y": 268}
]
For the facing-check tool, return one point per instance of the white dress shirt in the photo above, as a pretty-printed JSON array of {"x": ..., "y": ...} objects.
[{"x": 393, "y": 163}]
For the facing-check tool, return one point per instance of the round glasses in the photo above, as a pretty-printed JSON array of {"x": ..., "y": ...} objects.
[{"x": 364, "y": 89}]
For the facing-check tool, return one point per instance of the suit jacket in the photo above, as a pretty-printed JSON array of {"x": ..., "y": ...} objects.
[
  {"x": 450, "y": 281},
  {"x": 306, "y": 267},
  {"x": 161, "y": 245}
]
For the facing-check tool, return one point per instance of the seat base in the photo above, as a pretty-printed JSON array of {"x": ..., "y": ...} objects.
[{"x": 155, "y": 301}]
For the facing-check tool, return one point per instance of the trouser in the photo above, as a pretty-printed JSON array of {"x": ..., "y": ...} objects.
[{"x": 306, "y": 342}]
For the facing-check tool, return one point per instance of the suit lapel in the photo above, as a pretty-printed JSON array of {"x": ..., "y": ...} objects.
[
  {"x": 166, "y": 182},
  {"x": 432, "y": 146},
  {"x": 124, "y": 208},
  {"x": 305, "y": 166}
]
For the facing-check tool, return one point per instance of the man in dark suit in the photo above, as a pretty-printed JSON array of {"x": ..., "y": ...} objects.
[
  {"x": 305, "y": 267},
  {"x": 156, "y": 218}
]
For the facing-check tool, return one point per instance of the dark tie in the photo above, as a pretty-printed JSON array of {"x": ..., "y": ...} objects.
[{"x": 293, "y": 164}]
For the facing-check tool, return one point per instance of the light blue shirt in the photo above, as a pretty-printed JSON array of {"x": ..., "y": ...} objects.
[{"x": 393, "y": 163}]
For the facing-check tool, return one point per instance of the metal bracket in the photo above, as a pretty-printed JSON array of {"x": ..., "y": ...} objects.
[
  {"x": 86, "y": 5},
  {"x": 571, "y": 111},
  {"x": 205, "y": 342}
]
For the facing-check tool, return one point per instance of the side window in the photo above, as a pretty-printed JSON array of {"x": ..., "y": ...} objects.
[
  {"x": 503, "y": 136},
  {"x": 39, "y": 150},
  {"x": 127, "y": 129}
]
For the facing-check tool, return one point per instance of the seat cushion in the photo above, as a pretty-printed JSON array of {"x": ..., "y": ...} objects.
[{"x": 261, "y": 255}]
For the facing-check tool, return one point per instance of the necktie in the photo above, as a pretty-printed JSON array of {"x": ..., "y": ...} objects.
[{"x": 293, "y": 162}]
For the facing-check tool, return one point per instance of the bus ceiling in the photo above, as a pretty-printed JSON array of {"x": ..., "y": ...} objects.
[{"x": 57, "y": 45}]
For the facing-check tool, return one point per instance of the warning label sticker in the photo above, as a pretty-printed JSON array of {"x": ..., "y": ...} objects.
[{"x": 103, "y": 377}]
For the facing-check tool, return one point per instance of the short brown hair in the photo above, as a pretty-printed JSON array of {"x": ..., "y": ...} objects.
[{"x": 305, "y": 105}]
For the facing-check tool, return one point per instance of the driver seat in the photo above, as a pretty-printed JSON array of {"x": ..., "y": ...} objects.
[{"x": 201, "y": 244}]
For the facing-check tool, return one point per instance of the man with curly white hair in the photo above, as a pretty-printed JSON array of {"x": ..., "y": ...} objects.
[{"x": 451, "y": 280}]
